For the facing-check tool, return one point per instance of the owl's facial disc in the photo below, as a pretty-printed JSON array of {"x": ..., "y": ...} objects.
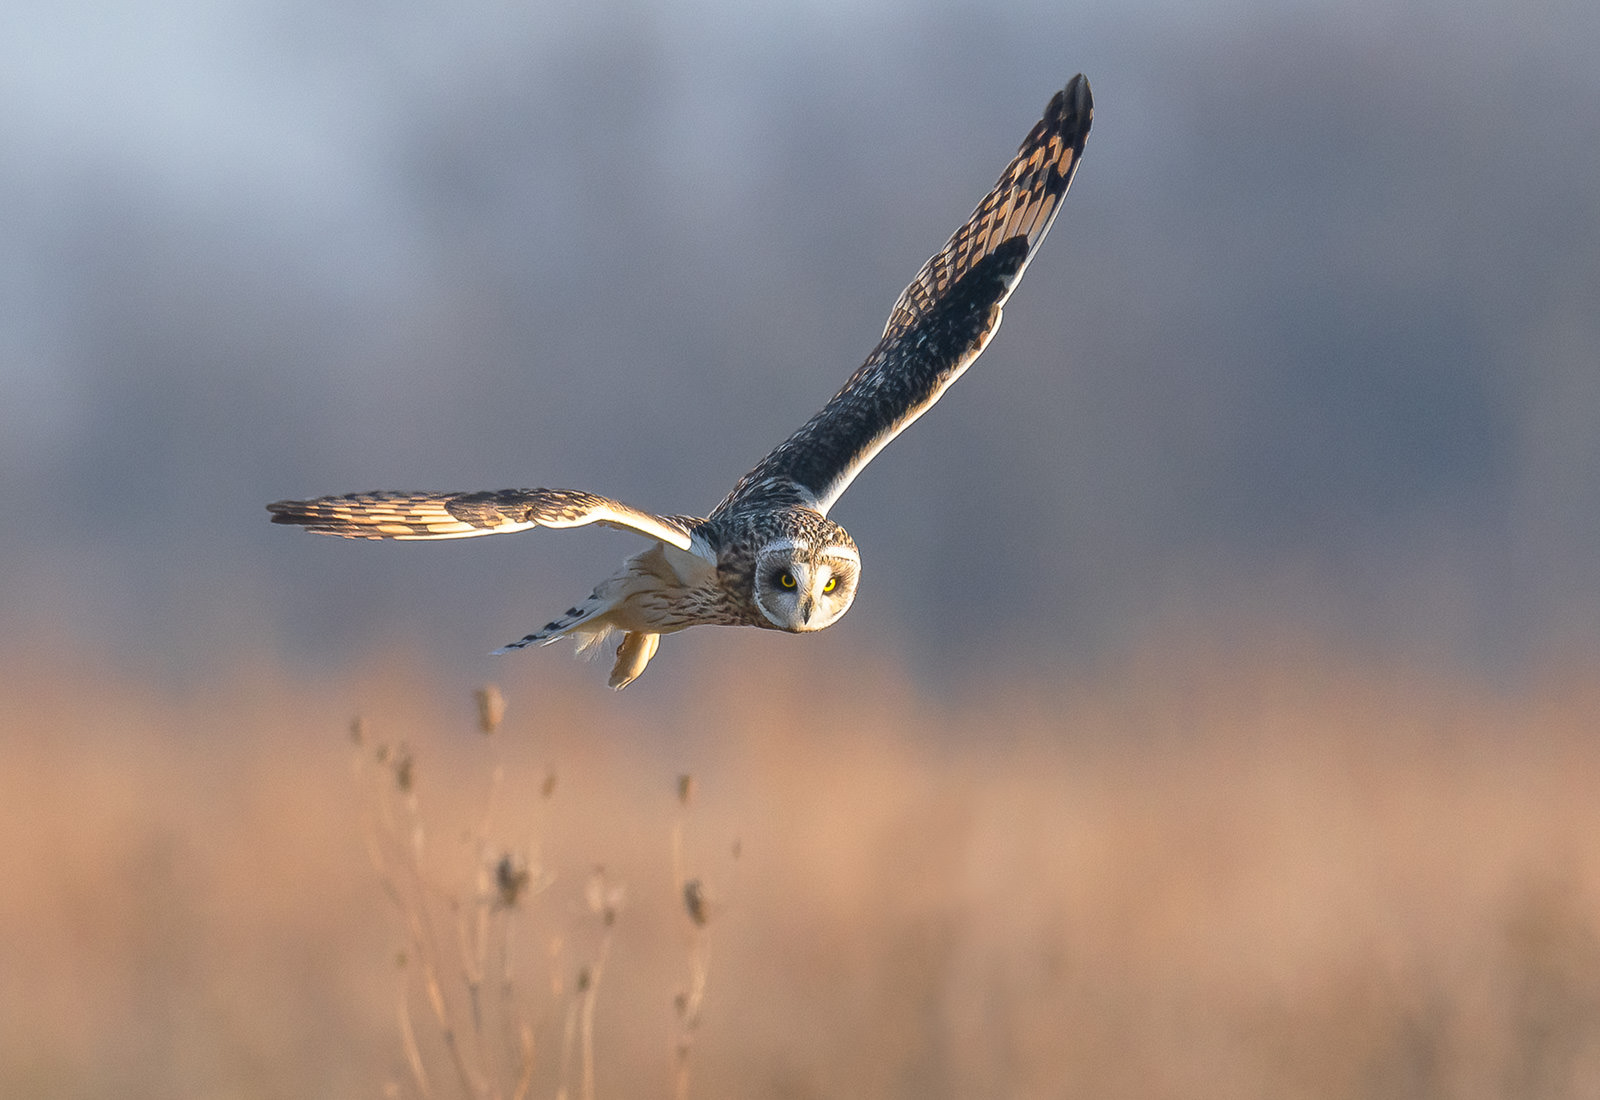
[{"x": 801, "y": 589}]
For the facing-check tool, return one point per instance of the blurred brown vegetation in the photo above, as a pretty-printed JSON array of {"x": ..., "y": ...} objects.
[{"x": 1272, "y": 869}]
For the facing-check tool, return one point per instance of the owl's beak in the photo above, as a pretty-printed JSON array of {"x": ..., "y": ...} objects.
[{"x": 807, "y": 607}]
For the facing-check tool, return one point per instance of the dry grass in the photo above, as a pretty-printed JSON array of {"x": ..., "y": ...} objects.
[{"x": 1283, "y": 873}]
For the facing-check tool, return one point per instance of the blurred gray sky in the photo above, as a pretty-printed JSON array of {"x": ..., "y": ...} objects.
[{"x": 1316, "y": 333}]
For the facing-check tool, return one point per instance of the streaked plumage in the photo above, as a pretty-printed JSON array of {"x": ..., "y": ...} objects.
[{"x": 768, "y": 556}]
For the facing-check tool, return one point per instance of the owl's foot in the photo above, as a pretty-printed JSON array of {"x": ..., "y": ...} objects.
[{"x": 633, "y": 653}]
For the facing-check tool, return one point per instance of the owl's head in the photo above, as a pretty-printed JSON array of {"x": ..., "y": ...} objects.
[{"x": 806, "y": 580}]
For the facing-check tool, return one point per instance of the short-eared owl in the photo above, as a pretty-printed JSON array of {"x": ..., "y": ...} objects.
[{"x": 768, "y": 555}]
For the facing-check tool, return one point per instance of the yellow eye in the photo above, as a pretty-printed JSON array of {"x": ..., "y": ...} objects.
[
  {"x": 786, "y": 579},
  {"x": 833, "y": 582}
]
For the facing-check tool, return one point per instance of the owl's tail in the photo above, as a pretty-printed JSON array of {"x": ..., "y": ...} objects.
[
  {"x": 586, "y": 625},
  {"x": 570, "y": 623}
]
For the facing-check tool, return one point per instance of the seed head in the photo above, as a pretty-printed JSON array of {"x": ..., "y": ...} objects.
[
  {"x": 696, "y": 903},
  {"x": 491, "y": 708},
  {"x": 404, "y": 765},
  {"x": 511, "y": 878}
]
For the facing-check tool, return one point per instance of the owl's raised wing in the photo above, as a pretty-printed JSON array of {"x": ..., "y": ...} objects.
[
  {"x": 941, "y": 323},
  {"x": 414, "y": 516}
]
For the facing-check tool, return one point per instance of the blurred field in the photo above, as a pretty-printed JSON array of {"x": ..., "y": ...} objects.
[{"x": 1273, "y": 870}]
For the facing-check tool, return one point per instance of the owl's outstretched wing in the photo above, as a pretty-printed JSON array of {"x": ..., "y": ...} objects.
[
  {"x": 466, "y": 515},
  {"x": 941, "y": 323}
]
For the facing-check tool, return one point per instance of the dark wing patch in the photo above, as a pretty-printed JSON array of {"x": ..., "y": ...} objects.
[
  {"x": 940, "y": 324},
  {"x": 416, "y": 516},
  {"x": 1023, "y": 203}
]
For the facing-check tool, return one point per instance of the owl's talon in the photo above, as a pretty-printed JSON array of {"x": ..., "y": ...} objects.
[{"x": 633, "y": 653}]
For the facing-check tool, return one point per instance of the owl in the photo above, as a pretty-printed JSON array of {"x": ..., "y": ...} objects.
[{"x": 768, "y": 556}]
